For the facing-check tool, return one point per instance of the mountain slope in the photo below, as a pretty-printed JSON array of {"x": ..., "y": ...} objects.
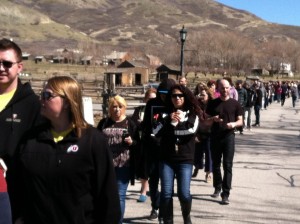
[{"x": 128, "y": 23}]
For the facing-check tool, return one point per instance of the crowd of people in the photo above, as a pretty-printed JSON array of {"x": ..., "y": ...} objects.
[{"x": 56, "y": 168}]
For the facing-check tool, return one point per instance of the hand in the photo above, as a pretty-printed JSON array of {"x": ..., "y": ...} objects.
[
  {"x": 217, "y": 119},
  {"x": 230, "y": 125},
  {"x": 128, "y": 140}
]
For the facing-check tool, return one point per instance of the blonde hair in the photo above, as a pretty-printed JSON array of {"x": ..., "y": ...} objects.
[
  {"x": 119, "y": 100},
  {"x": 69, "y": 89}
]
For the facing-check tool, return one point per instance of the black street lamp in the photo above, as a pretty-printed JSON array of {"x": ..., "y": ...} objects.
[{"x": 183, "y": 33}]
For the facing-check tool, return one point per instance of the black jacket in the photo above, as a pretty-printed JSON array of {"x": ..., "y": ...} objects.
[
  {"x": 178, "y": 143},
  {"x": 20, "y": 114},
  {"x": 69, "y": 182}
]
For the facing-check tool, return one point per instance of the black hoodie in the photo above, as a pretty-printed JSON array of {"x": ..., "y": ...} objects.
[{"x": 20, "y": 114}]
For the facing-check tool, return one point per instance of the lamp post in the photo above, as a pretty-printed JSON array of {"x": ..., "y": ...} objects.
[{"x": 183, "y": 33}]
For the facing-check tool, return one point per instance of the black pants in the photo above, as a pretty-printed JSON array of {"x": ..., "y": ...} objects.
[{"x": 223, "y": 147}]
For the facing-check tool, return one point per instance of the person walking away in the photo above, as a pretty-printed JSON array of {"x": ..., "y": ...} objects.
[
  {"x": 123, "y": 139},
  {"x": 137, "y": 117},
  {"x": 257, "y": 104},
  {"x": 177, "y": 132},
  {"x": 226, "y": 114},
  {"x": 155, "y": 108},
  {"x": 19, "y": 111},
  {"x": 65, "y": 168}
]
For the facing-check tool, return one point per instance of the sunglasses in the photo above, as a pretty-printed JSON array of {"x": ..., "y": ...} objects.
[
  {"x": 47, "y": 96},
  {"x": 177, "y": 95},
  {"x": 7, "y": 64}
]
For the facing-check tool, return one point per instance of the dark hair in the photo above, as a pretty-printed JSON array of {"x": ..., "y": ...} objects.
[
  {"x": 6, "y": 44},
  {"x": 190, "y": 101},
  {"x": 211, "y": 82}
]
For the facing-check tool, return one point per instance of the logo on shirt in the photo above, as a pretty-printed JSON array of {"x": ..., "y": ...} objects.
[
  {"x": 73, "y": 148},
  {"x": 14, "y": 118}
]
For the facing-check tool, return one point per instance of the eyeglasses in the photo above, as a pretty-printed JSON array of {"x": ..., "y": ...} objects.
[
  {"x": 177, "y": 95},
  {"x": 47, "y": 95},
  {"x": 7, "y": 64}
]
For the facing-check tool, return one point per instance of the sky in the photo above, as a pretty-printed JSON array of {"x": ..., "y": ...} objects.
[{"x": 276, "y": 11}]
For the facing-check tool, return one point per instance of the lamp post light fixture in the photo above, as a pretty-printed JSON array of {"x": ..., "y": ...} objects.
[{"x": 183, "y": 34}]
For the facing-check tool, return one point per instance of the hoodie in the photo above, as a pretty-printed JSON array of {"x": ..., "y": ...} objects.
[{"x": 20, "y": 114}]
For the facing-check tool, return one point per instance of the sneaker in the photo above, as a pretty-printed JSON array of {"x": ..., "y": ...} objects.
[
  {"x": 216, "y": 194},
  {"x": 208, "y": 178},
  {"x": 225, "y": 200},
  {"x": 153, "y": 214},
  {"x": 142, "y": 198},
  {"x": 195, "y": 173}
]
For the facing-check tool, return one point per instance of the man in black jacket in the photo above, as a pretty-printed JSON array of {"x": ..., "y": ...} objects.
[
  {"x": 19, "y": 108},
  {"x": 242, "y": 99}
]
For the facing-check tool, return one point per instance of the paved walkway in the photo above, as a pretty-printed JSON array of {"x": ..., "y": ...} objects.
[{"x": 266, "y": 178}]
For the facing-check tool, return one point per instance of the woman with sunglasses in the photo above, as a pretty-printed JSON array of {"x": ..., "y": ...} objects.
[
  {"x": 123, "y": 139},
  {"x": 65, "y": 165},
  {"x": 177, "y": 151}
]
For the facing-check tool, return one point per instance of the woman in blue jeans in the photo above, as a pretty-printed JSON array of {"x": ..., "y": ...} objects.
[
  {"x": 123, "y": 136},
  {"x": 177, "y": 132}
]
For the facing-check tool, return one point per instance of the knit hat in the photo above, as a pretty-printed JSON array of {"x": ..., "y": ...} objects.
[{"x": 165, "y": 86}]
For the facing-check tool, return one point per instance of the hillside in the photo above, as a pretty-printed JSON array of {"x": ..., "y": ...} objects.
[{"x": 47, "y": 24}]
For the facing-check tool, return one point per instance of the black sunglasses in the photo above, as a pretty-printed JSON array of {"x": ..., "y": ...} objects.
[
  {"x": 8, "y": 64},
  {"x": 47, "y": 95},
  {"x": 177, "y": 95}
]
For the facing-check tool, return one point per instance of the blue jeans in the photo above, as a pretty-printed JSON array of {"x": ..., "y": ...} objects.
[
  {"x": 223, "y": 147},
  {"x": 5, "y": 212},
  {"x": 123, "y": 178},
  {"x": 183, "y": 174},
  {"x": 248, "y": 119},
  {"x": 257, "y": 114}
]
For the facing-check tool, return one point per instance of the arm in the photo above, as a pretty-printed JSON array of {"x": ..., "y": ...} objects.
[
  {"x": 237, "y": 123},
  {"x": 107, "y": 204}
]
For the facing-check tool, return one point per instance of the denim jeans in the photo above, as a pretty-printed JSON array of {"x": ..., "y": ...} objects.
[
  {"x": 183, "y": 174},
  {"x": 5, "y": 212},
  {"x": 123, "y": 178},
  {"x": 248, "y": 119},
  {"x": 257, "y": 114},
  {"x": 223, "y": 147}
]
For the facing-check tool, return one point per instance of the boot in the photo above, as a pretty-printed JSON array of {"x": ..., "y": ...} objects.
[
  {"x": 166, "y": 211},
  {"x": 186, "y": 210}
]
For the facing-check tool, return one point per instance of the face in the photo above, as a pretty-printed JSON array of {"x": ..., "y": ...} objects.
[
  {"x": 53, "y": 105},
  {"x": 203, "y": 96},
  {"x": 224, "y": 88},
  {"x": 213, "y": 87},
  {"x": 182, "y": 81},
  {"x": 9, "y": 69},
  {"x": 150, "y": 96},
  {"x": 117, "y": 111},
  {"x": 177, "y": 98}
]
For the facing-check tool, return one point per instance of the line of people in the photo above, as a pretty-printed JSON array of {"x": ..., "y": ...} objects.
[{"x": 56, "y": 168}]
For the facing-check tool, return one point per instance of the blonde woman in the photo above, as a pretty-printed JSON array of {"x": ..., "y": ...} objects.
[
  {"x": 123, "y": 139},
  {"x": 66, "y": 165}
]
